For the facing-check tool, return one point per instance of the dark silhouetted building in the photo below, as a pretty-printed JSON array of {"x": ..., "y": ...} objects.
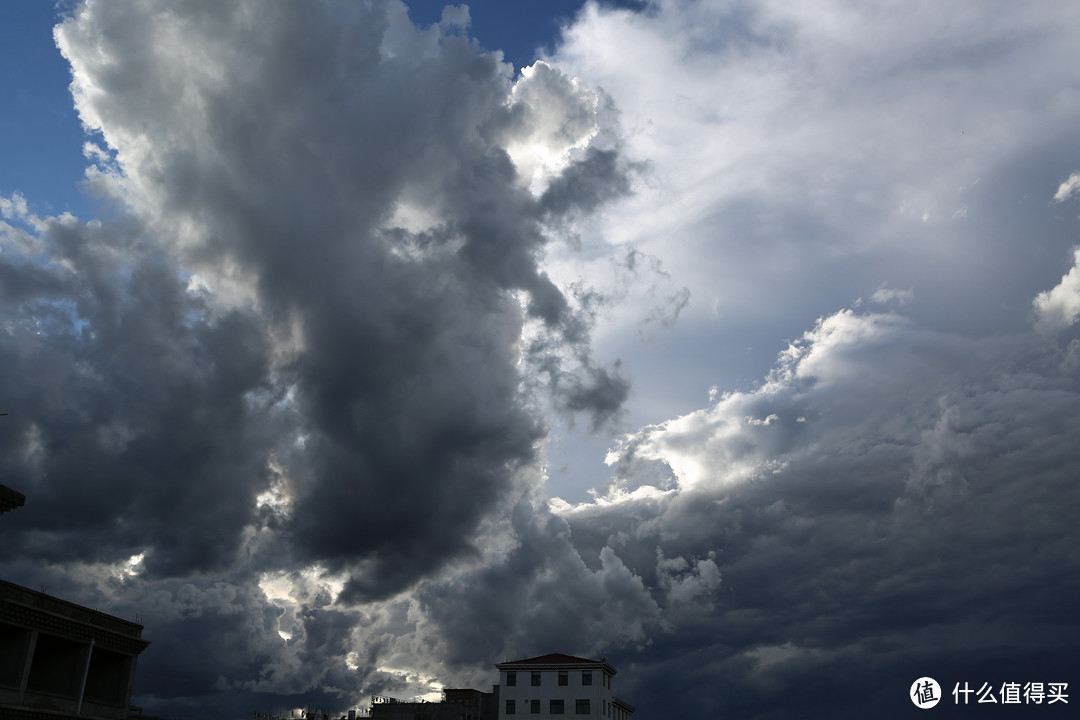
[
  {"x": 458, "y": 704},
  {"x": 62, "y": 660},
  {"x": 10, "y": 499}
]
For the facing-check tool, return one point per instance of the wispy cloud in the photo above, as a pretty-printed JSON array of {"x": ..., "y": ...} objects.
[{"x": 1067, "y": 188}]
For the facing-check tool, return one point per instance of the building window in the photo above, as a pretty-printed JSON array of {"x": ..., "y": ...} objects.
[
  {"x": 534, "y": 707},
  {"x": 57, "y": 666},
  {"x": 604, "y": 713},
  {"x": 556, "y": 707},
  {"x": 536, "y": 678},
  {"x": 511, "y": 707},
  {"x": 586, "y": 677},
  {"x": 581, "y": 707},
  {"x": 511, "y": 678},
  {"x": 564, "y": 678}
]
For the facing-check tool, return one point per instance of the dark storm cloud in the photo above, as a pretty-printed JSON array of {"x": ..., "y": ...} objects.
[
  {"x": 892, "y": 503},
  {"x": 285, "y": 407},
  {"x": 293, "y": 360},
  {"x": 599, "y": 177},
  {"x": 291, "y": 150},
  {"x": 539, "y": 594},
  {"x": 130, "y": 408}
]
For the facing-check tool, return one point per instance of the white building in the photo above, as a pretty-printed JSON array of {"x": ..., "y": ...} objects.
[{"x": 555, "y": 685}]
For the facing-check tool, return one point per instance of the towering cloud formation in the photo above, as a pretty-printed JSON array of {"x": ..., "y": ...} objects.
[
  {"x": 342, "y": 180},
  {"x": 298, "y": 342}
]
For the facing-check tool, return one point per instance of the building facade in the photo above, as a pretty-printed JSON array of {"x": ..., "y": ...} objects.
[
  {"x": 556, "y": 685},
  {"x": 62, "y": 660}
]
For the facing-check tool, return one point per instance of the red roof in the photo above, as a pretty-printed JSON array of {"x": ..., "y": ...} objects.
[{"x": 551, "y": 659}]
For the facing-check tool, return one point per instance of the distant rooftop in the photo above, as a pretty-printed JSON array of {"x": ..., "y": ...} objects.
[
  {"x": 546, "y": 661},
  {"x": 551, "y": 659},
  {"x": 10, "y": 499}
]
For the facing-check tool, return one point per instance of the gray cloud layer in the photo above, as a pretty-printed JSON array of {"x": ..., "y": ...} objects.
[
  {"x": 298, "y": 344},
  {"x": 286, "y": 400}
]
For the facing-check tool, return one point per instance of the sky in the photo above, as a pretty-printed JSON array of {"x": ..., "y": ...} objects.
[{"x": 354, "y": 347}]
